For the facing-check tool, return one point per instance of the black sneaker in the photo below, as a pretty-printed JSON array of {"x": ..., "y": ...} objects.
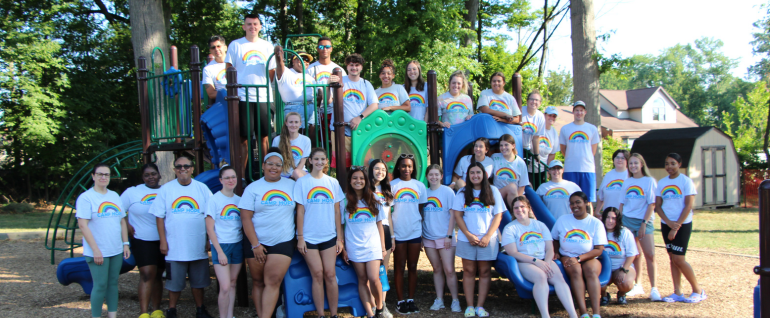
[
  {"x": 378, "y": 313},
  {"x": 171, "y": 313},
  {"x": 202, "y": 313},
  {"x": 412, "y": 307},
  {"x": 402, "y": 308},
  {"x": 622, "y": 300},
  {"x": 605, "y": 300}
]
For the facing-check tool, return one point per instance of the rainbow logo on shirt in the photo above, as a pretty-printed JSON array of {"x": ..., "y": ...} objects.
[
  {"x": 221, "y": 76},
  {"x": 107, "y": 209},
  {"x": 276, "y": 197},
  {"x": 456, "y": 107},
  {"x": 417, "y": 99},
  {"x": 253, "y": 57},
  {"x": 148, "y": 199},
  {"x": 406, "y": 195},
  {"x": 612, "y": 246},
  {"x": 388, "y": 97},
  {"x": 475, "y": 206},
  {"x": 579, "y": 137},
  {"x": 531, "y": 237},
  {"x": 634, "y": 192},
  {"x": 545, "y": 142},
  {"x": 557, "y": 193},
  {"x": 299, "y": 82},
  {"x": 528, "y": 128},
  {"x": 671, "y": 192},
  {"x": 230, "y": 212},
  {"x": 433, "y": 205},
  {"x": 320, "y": 194},
  {"x": 577, "y": 236},
  {"x": 353, "y": 95},
  {"x": 296, "y": 152},
  {"x": 506, "y": 174},
  {"x": 361, "y": 215},
  {"x": 323, "y": 76},
  {"x": 616, "y": 184},
  {"x": 498, "y": 104},
  {"x": 184, "y": 204}
]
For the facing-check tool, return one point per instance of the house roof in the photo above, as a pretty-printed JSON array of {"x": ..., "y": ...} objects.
[
  {"x": 618, "y": 124},
  {"x": 655, "y": 145},
  {"x": 632, "y": 99}
]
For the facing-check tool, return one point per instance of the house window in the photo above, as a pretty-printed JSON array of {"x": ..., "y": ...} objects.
[
  {"x": 659, "y": 110},
  {"x": 629, "y": 141}
]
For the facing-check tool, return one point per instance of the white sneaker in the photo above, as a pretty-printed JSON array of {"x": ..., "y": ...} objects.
[
  {"x": 636, "y": 291},
  {"x": 655, "y": 294},
  {"x": 279, "y": 312},
  {"x": 438, "y": 303},
  {"x": 385, "y": 312},
  {"x": 456, "y": 306}
]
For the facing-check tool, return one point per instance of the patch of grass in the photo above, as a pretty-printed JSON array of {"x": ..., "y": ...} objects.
[
  {"x": 731, "y": 231},
  {"x": 32, "y": 221},
  {"x": 17, "y": 208}
]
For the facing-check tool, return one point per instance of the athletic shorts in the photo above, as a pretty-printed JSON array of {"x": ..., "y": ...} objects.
[
  {"x": 388, "y": 238},
  {"x": 634, "y": 224},
  {"x": 233, "y": 251},
  {"x": 416, "y": 240},
  {"x": 437, "y": 244},
  {"x": 284, "y": 248},
  {"x": 586, "y": 181},
  {"x": 677, "y": 246},
  {"x": 477, "y": 253},
  {"x": 264, "y": 117},
  {"x": 299, "y": 108},
  {"x": 323, "y": 245},
  {"x": 147, "y": 253},
  {"x": 177, "y": 273}
]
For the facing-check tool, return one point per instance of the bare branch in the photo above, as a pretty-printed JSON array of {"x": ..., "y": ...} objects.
[{"x": 111, "y": 17}]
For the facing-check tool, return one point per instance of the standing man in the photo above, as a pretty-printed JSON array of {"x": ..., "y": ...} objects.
[
  {"x": 532, "y": 128},
  {"x": 321, "y": 70},
  {"x": 181, "y": 220},
  {"x": 249, "y": 56},
  {"x": 214, "y": 77},
  {"x": 578, "y": 141}
]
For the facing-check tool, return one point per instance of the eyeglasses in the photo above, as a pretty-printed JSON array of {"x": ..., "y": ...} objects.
[
  {"x": 307, "y": 60},
  {"x": 102, "y": 175},
  {"x": 230, "y": 178},
  {"x": 321, "y": 47},
  {"x": 357, "y": 168},
  {"x": 406, "y": 156},
  {"x": 533, "y": 99},
  {"x": 273, "y": 165},
  {"x": 214, "y": 47},
  {"x": 181, "y": 167}
]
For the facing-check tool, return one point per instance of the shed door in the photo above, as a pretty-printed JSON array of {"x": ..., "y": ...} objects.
[{"x": 714, "y": 190}]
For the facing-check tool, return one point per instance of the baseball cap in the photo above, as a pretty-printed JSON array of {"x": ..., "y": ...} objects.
[
  {"x": 550, "y": 110},
  {"x": 555, "y": 163},
  {"x": 579, "y": 103}
]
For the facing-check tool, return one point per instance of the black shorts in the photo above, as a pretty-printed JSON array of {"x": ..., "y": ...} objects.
[
  {"x": 284, "y": 248},
  {"x": 323, "y": 245},
  {"x": 147, "y": 253},
  {"x": 677, "y": 246},
  {"x": 417, "y": 240},
  {"x": 264, "y": 117},
  {"x": 388, "y": 239}
]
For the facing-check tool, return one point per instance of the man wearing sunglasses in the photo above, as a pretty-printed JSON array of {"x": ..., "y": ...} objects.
[
  {"x": 321, "y": 70},
  {"x": 214, "y": 78}
]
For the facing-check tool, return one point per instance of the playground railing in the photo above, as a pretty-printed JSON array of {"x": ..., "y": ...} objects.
[
  {"x": 170, "y": 105},
  {"x": 537, "y": 169}
]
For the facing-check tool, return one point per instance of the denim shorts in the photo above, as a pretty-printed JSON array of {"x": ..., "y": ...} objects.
[
  {"x": 233, "y": 251},
  {"x": 299, "y": 108}
]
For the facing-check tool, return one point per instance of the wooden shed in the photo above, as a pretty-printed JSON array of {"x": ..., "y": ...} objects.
[{"x": 708, "y": 158}]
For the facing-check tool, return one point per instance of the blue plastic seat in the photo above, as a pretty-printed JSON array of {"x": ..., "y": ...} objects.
[{"x": 75, "y": 270}]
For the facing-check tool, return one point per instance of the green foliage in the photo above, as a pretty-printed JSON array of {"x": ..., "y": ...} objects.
[
  {"x": 609, "y": 146},
  {"x": 761, "y": 45},
  {"x": 15, "y": 208},
  {"x": 559, "y": 88},
  {"x": 747, "y": 124}
]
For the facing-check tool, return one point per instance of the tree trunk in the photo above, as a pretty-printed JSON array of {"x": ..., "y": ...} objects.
[
  {"x": 585, "y": 68},
  {"x": 360, "y": 25},
  {"x": 766, "y": 137},
  {"x": 541, "y": 68},
  {"x": 299, "y": 13},
  {"x": 283, "y": 20},
  {"x": 149, "y": 30},
  {"x": 479, "y": 37},
  {"x": 473, "y": 10}
]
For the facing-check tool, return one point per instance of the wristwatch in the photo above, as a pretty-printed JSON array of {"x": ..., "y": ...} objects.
[
  {"x": 449, "y": 236},
  {"x": 362, "y": 116},
  {"x": 534, "y": 260},
  {"x": 623, "y": 270},
  {"x": 578, "y": 258}
]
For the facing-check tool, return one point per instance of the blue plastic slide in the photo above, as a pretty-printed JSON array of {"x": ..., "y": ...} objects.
[
  {"x": 215, "y": 131},
  {"x": 75, "y": 270}
]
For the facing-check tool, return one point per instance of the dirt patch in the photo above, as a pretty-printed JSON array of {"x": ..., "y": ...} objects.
[{"x": 28, "y": 287}]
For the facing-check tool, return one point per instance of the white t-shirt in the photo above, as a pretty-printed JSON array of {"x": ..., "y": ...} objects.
[
  {"x": 318, "y": 197},
  {"x": 611, "y": 189},
  {"x": 556, "y": 196},
  {"x": 621, "y": 248},
  {"x": 395, "y": 95},
  {"x": 184, "y": 211},
  {"x": 578, "y": 139},
  {"x": 356, "y": 96},
  {"x": 322, "y": 73},
  {"x": 462, "y": 166},
  {"x": 454, "y": 109},
  {"x": 103, "y": 212},
  {"x": 419, "y": 102},
  {"x": 408, "y": 195},
  {"x": 549, "y": 143},
  {"x": 509, "y": 172},
  {"x": 673, "y": 193},
  {"x": 530, "y": 240},
  {"x": 300, "y": 148},
  {"x": 435, "y": 223},
  {"x": 290, "y": 85},
  {"x": 577, "y": 237},
  {"x": 637, "y": 195},
  {"x": 273, "y": 208},
  {"x": 385, "y": 206},
  {"x": 477, "y": 216},
  {"x": 137, "y": 201},
  {"x": 214, "y": 74},
  {"x": 249, "y": 60},
  {"x": 227, "y": 217},
  {"x": 531, "y": 126},
  {"x": 503, "y": 102},
  {"x": 362, "y": 237}
]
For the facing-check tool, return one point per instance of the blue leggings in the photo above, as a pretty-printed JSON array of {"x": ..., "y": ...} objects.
[{"x": 105, "y": 279}]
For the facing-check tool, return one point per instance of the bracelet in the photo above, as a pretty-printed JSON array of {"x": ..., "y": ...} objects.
[
  {"x": 299, "y": 234},
  {"x": 578, "y": 258},
  {"x": 255, "y": 246},
  {"x": 623, "y": 270},
  {"x": 126, "y": 244}
]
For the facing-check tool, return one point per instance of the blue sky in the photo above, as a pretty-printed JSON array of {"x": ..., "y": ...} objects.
[{"x": 647, "y": 27}]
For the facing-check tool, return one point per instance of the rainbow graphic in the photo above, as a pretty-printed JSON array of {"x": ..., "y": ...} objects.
[
  {"x": 388, "y": 97},
  {"x": 498, "y": 104},
  {"x": 183, "y": 201},
  {"x": 578, "y": 136},
  {"x": 577, "y": 234},
  {"x": 545, "y": 142},
  {"x": 379, "y": 197},
  {"x": 417, "y": 98},
  {"x": 147, "y": 199},
  {"x": 221, "y": 76},
  {"x": 407, "y": 194},
  {"x": 457, "y": 107},
  {"x": 434, "y": 202},
  {"x": 671, "y": 190},
  {"x": 299, "y": 82},
  {"x": 107, "y": 208},
  {"x": 635, "y": 190},
  {"x": 320, "y": 192},
  {"x": 615, "y": 184},
  {"x": 361, "y": 214},
  {"x": 612, "y": 246},
  {"x": 530, "y": 236},
  {"x": 475, "y": 204},
  {"x": 323, "y": 77},
  {"x": 230, "y": 211},
  {"x": 275, "y": 196},
  {"x": 528, "y": 128},
  {"x": 353, "y": 95},
  {"x": 296, "y": 152},
  {"x": 254, "y": 57},
  {"x": 506, "y": 173},
  {"x": 557, "y": 192}
]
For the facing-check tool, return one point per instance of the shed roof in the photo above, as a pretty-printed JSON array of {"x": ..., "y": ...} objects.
[
  {"x": 634, "y": 98},
  {"x": 656, "y": 144}
]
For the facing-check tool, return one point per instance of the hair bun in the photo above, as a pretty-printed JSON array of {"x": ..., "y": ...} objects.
[{"x": 387, "y": 63}]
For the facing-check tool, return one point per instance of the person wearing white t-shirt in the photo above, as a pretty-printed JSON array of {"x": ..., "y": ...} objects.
[
  {"x": 454, "y": 106},
  {"x": 532, "y": 124},
  {"x": 145, "y": 242},
  {"x": 223, "y": 226},
  {"x": 529, "y": 242},
  {"x": 418, "y": 90},
  {"x": 610, "y": 191},
  {"x": 267, "y": 212},
  {"x": 101, "y": 219},
  {"x": 578, "y": 142},
  {"x": 580, "y": 240},
  {"x": 391, "y": 96},
  {"x": 322, "y": 70},
  {"x": 364, "y": 239},
  {"x": 550, "y": 139},
  {"x": 555, "y": 193},
  {"x": 478, "y": 209},
  {"x": 481, "y": 149},
  {"x": 180, "y": 212},
  {"x": 380, "y": 183},
  {"x": 673, "y": 203},
  {"x": 621, "y": 248},
  {"x": 498, "y": 103},
  {"x": 292, "y": 144},
  {"x": 214, "y": 78},
  {"x": 319, "y": 229},
  {"x": 292, "y": 84},
  {"x": 510, "y": 171},
  {"x": 637, "y": 208}
]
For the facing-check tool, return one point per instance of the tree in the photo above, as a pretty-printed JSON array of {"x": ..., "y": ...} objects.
[
  {"x": 750, "y": 121},
  {"x": 559, "y": 88}
]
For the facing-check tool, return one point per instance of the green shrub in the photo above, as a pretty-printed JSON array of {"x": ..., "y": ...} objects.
[{"x": 17, "y": 208}]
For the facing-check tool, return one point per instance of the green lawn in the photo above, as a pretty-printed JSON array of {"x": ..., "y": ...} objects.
[
  {"x": 731, "y": 231},
  {"x": 24, "y": 222}
]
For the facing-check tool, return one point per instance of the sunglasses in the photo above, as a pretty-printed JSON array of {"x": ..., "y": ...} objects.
[
  {"x": 357, "y": 168},
  {"x": 406, "y": 156},
  {"x": 180, "y": 167},
  {"x": 321, "y": 47}
]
